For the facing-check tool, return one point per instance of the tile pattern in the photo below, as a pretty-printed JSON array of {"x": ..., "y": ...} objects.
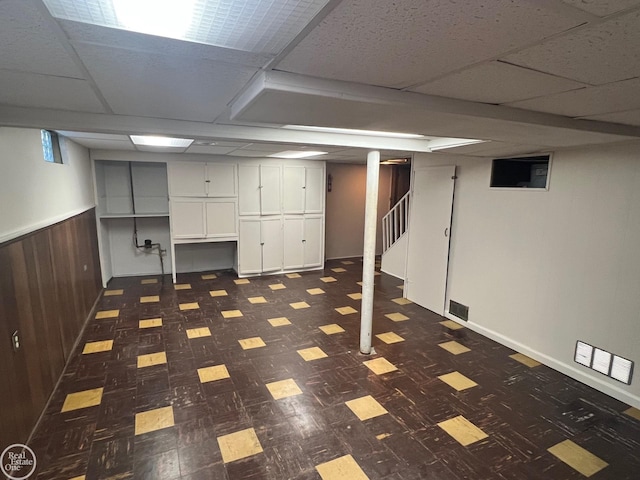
[
  {"x": 209, "y": 387},
  {"x": 462, "y": 430},
  {"x": 528, "y": 361},
  {"x": 578, "y": 458}
]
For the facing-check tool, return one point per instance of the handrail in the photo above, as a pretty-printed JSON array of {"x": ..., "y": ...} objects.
[{"x": 395, "y": 222}]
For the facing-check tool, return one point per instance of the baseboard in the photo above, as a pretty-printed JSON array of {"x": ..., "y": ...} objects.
[
  {"x": 567, "y": 369},
  {"x": 392, "y": 274}
]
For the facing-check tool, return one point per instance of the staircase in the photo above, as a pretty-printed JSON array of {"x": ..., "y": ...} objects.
[{"x": 394, "y": 238}]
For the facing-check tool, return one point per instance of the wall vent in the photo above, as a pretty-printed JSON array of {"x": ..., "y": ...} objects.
[{"x": 459, "y": 310}]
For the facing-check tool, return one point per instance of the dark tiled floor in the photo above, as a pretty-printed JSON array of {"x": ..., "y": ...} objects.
[{"x": 154, "y": 409}]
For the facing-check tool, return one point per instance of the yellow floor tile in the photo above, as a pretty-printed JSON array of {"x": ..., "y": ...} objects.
[
  {"x": 528, "y": 361},
  {"x": 313, "y": 353},
  {"x": 396, "y": 317},
  {"x": 458, "y": 381},
  {"x": 346, "y": 262},
  {"x": 84, "y": 399},
  {"x": 380, "y": 366},
  {"x": 342, "y": 468},
  {"x": 375, "y": 274},
  {"x": 390, "y": 337},
  {"x": 198, "y": 332},
  {"x": 277, "y": 286},
  {"x": 332, "y": 329},
  {"x": 578, "y": 458},
  {"x": 239, "y": 445},
  {"x": 209, "y": 276},
  {"x": 158, "y": 358},
  {"x": 293, "y": 275},
  {"x": 231, "y": 314},
  {"x": 241, "y": 281},
  {"x": 299, "y": 305},
  {"x": 113, "y": 293},
  {"x": 366, "y": 407},
  {"x": 315, "y": 291},
  {"x": 211, "y": 374},
  {"x": 255, "y": 300},
  {"x": 81, "y": 477},
  {"x": 402, "y": 301},
  {"x": 462, "y": 430},
  {"x": 189, "y": 306},
  {"x": 218, "y": 293},
  {"x": 451, "y": 325},
  {"x": 328, "y": 279},
  {"x": 283, "y": 389},
  {"x": 107, "y": 314},
  {"x": 150, "y": 299},
  {"x": 355, "y": 296},
  {"x": 154, "y": 420},
  {"x": 253, "y": 342},
  {"x": 150, "y": 323},
  {"x": 97, "y": 347},
  {"x": 454, "y": 347},
  {"x": 382, "y": 436},
  {"x": 149, "y": 281},
  {"x": 633, "y": 412},
  {"x": 401, "y": 287},
  {"x": 346, "y": 310},
  {"x": 360, "y": 283},
  {"x": 182, "y": 286},
  {"x": 279, "y": 322},
  {"x": 338, "y": 270}
]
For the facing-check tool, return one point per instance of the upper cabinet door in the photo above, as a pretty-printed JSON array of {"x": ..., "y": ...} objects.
[
  {"x": 294, "y": 189},
  {"x": 314, "y": 190},
  {"x": 221, "y": 217},
  {"x": 221, "y": 180},
  {"x": 249, "y": 190},
  {"x": 270, "y": 190},
  {"x": 187, "y": 218},
  {"x": 187, "y": 179}
]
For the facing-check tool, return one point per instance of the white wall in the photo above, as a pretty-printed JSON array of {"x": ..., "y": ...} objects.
[
  {"x": 540, "y": 270},
  {"x": 35, "y": 194},
  {"x": 345, "y": 209}
]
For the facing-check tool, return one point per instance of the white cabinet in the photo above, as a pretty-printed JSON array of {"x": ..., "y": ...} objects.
[
  {"x": 260, "y": 245},
  {"x": 199, "y": 179},
  {"x": 303, "y": 189},
  {"x": 259, "y": 190},
  {"x": 302, "y": 241},
  {"x": 212, "y": 218}
]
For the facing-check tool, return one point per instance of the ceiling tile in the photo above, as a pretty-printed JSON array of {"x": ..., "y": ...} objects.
[
  {"x": 102, "y": 144},
  {"x": 27, "y": 43},
  {"x": 497, "y": 82},
  {"x": 212, "y": 149},
  {"x": 92, "y": 135},
  {"x": 607, "y": 52},
  {"x": 406, "y": 42},
  {"x": 631, "y": 117},
  {"x": 495, "y": 149},
  {"x": 613, "y": 97},
  {"x": 602, "y": 8},
  {"x": 153, "y": 85},
  {"x": 46, "y": 91}
]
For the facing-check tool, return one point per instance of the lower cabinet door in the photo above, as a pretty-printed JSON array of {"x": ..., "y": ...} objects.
[
  {"x": 313, "y": 241},
  {"x": 271, "y": 244},
  {"x": 221, "y": 218},
  {"x": 249, "y": 247},
  {"x": 187, "y": 218},
  {"x": 293, "y": 242}
]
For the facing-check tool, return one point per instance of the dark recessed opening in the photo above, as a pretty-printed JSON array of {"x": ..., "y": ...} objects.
[{"x": 520, "y": 172}]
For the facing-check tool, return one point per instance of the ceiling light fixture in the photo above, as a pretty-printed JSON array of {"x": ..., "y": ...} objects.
[
  {"x": 164, "y": 18},
  {"x": 453, "y": 143},
  {"x": 395, "y": 161},
  {"x": 158, "y": 141},
  {"x": 297, "y": 154},
  {"x": 351, "y": 131}
]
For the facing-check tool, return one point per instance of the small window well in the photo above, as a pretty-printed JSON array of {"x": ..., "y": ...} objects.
[
  {"x": 521, "y": 172},
  {"x": 50, "y": 146}
]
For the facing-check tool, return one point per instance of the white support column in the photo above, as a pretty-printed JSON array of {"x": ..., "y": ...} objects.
[{"x": 369, "y": 256}]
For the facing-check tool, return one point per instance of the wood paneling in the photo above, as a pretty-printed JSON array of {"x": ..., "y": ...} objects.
[{"x": 49, "y": 281}]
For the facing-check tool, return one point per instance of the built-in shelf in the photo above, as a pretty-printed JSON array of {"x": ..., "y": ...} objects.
[{"x": 134, "y": 215}]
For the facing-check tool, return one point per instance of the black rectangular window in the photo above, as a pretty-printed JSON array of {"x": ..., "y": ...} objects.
[{"x": 521, "y": 172}]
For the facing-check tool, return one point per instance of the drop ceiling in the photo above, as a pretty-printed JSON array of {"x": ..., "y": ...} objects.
[{"x": 523, "y": 75}]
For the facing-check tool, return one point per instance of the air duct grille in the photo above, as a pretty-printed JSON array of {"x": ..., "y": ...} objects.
[{"x": 459, "y": 310}]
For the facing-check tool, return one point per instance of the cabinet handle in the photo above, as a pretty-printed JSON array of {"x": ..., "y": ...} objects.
[
  {"x": 303, "y": 241},
  {"x": 207, "y": 181},
  {"x": 261, "y": 243}
]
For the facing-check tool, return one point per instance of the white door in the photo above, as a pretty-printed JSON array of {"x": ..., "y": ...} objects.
[
  {"x": 221, "y": 180},
  {"x": 269, "y": 190},
  {"x": 249, "y": 190},
  {"x": 221, "y": 218},
  {"x": 271, "y": 244},
  {"x": 429, "y": 233},
  {"x": 314, "y": 190},
  {"x": 294, "y": 191},
  {"x": 313, "y": 240},
  {"x": 187, "y": 179},
  {"x": 249, "y": 248},
  {"x": 187, "y": 218},
  {"x": 293, "y": 242}
]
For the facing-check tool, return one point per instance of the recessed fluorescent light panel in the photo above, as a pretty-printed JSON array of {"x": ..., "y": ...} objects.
[
  {"x": 351, "y": 131},
  {"x": 249, "y": 25},
  {"x": 297, "y": 154},
  {"x": 157, "y": 141},
  {"x": 444, "y": 143}
]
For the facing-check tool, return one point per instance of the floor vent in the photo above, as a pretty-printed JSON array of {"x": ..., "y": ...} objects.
[{"x": 459, "y": 310}]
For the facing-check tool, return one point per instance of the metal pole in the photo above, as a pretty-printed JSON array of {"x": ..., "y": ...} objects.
[{"x": 369, "y": 254}]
